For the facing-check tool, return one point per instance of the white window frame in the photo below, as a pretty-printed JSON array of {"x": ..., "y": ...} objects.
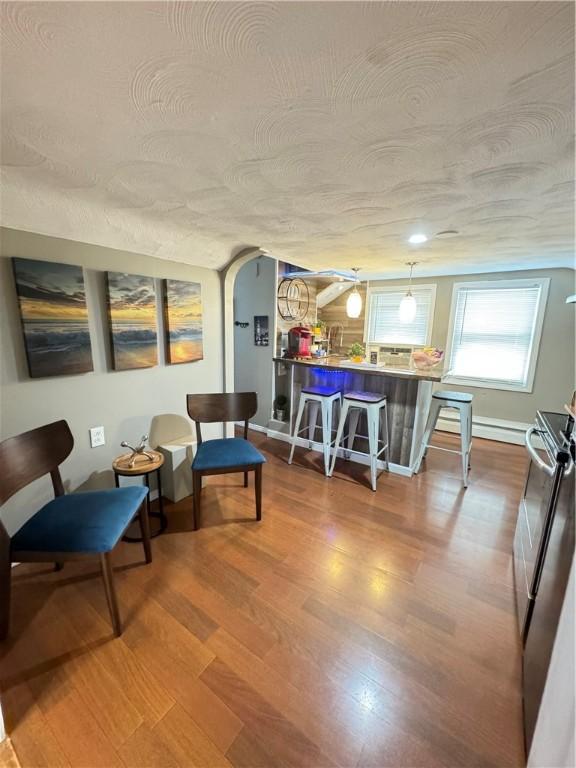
[
  {"x": 544, "y": 284},
  {"x": 396, "y": 288}
]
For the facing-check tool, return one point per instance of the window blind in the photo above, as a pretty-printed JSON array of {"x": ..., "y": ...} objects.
[
  {"x": 384, "y": 324},
  {"x": 493, "y": 333}
]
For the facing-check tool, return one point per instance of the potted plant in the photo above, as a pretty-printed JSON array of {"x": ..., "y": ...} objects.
[
  {"x": 356, "y": 352},
  {"x": 280, "y": 405}
]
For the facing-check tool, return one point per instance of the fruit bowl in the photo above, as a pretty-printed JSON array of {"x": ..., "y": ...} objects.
[{"x": 427, "y": 358}]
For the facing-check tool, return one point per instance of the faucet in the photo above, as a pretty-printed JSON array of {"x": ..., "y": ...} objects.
[{"x": 333, "y": 329}]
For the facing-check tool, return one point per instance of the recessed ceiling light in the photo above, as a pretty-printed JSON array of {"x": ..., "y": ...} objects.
[{"x": 417, "y": 239}]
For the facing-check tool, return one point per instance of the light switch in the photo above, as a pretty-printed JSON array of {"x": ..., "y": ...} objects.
[{"x": 97, "y": 437}]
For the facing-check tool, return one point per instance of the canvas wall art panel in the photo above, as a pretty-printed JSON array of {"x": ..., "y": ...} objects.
[
  {"x": 132, "y": 319},
  {"x": 183, "y": 321},
  {"x": 54, "y": 317},
  {"x": 261, "y": 335}
]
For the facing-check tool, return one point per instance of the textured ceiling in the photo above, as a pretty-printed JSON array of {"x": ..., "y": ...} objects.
[{"x": 323, "y": 132}]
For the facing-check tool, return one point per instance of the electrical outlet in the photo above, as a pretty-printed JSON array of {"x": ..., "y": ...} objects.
[{"x": 97, "y": 437}]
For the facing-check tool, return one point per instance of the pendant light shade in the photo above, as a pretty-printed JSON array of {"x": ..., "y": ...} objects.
[
  {"x": 407, "y": 309},
  {"x": 354, "y": 300}
]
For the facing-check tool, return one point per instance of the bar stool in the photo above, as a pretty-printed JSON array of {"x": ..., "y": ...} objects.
[
  {"x": 318, "y": 399},
  {"x": 462, "y": 402},
  {"x": 374, "y": 405}
]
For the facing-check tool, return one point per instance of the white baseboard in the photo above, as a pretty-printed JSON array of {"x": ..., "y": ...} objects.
[
  {"x": 488, "y": 428},
  {"x": 397, "y": 469}
]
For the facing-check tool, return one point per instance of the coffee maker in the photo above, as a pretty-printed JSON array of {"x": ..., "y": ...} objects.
[{"x": 299, "y": 342}]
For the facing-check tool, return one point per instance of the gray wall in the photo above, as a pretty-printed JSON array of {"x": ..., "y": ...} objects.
[
  {"x": 127, "y": 403},
  {"x": 255, "y": 294},
  {"x": 555, "y": 376}
]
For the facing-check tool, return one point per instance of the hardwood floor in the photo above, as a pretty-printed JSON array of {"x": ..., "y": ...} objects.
[{"x": 348, "y": 628}]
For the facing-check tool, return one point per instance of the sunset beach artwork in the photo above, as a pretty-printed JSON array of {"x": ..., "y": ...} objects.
[
  {"x": 54, "y": 317},
  {"x": 132, "y": 318},
  {"x": 183, "y": 321}
]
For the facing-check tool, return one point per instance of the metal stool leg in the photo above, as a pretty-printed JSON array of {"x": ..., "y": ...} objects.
[
  {"x": 352, "y": 427},
  {"x": 327, "y": 406},
  {"x": 339, "y": 433},
  {"x": 301, "y": 405},
  {"x": 470, "y": 437},
  {"x": 373, "y": 418},
  {"x": 384, "y": 412},
  {"x": 465, "y": 421},
  {"x": 313, "y": 408},
  {"x": 430, "y": 426}
]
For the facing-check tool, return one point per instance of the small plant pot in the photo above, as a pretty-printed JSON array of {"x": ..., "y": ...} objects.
[
  {"x": 356, "y": 358},
  {"x": 280, "y": 415}
]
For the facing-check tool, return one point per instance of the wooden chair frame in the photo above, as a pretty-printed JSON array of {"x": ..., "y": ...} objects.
[
  {"x": 24, "y": 458},
  {"x": 223, "y": 407}
]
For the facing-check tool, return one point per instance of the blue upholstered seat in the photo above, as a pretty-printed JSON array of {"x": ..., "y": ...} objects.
[
  {"x": 80, "y": 522},
  {"x": 226, "y": 452}
]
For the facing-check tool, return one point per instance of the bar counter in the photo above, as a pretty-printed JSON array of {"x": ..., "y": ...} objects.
[{"x": 408, "y": 395}]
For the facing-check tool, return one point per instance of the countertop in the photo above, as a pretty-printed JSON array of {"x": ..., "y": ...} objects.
[{"x": 339, "y": 364}]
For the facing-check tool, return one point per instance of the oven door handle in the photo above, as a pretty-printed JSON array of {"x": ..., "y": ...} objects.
[{"x": 550, "y": 470}]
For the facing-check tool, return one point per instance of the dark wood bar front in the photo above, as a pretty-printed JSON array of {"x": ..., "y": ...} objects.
[{"x": 408, "y": 394}]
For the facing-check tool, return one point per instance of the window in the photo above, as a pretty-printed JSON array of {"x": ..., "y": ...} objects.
[
  {"x": 495, "y": 332},
  {"x": 383, "y": 324}
]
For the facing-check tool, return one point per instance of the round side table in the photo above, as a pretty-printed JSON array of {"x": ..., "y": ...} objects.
[{"x": 143, "y": 467}]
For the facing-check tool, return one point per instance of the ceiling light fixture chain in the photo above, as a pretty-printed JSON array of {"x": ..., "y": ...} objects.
[{"x": 407, "y": 309}]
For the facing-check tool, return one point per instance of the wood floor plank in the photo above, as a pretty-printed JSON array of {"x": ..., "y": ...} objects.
[
  {"x": 285, "y": 743},
  {"x": 210, "y": 713},
  {"x": 8, "y": 758},
  {"x": 101, "y": 692},
  {"x": 191, "y": 747},
  {"x": 340, "y": 743},
  {"x": 408, "y": 663},
  {"x": 63, "y": 677},
  {"x": 227, "y": 615},
  {"x": 194, "y": 619},
  {"x": 151, "y": 631},
  {"x": 81, "y": 738},
  {"x": 147, "y": 749},
  {"x": 248, "y": 751},
  {"x": 148, "y": 697},
  {"x": 34, "y": 741}
]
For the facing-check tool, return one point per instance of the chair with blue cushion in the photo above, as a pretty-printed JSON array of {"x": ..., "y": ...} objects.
[
  {"x": 70, "y": 527},
  {"x": 226, "y": 455}
]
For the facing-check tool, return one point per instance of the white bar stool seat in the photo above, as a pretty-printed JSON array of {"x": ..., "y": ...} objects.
[
  {"x": 318, "y": 399},
  {"x": 462, "y": 402},
  {"x": 374, "y": 405}
]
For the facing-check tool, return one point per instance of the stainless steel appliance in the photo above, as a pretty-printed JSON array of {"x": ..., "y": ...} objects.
[{"x": 543, "y": 550}]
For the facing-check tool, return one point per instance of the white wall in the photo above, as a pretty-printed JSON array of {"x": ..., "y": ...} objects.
[
  {"x": 553, "y": 742},
  {"x": 255, "y": 294},
  {"x": 127, "y": 403}
]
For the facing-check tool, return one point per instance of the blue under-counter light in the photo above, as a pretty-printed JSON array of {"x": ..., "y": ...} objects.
[{"x": 331, "y": 379}]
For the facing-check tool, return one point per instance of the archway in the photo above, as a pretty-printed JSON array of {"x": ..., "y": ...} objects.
[{"x": 227, "y": 279}]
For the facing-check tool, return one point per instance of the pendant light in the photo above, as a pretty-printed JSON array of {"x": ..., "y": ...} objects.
[
  {"x": 354, "y": 300},
  {"x": 407, "y": 311}
]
